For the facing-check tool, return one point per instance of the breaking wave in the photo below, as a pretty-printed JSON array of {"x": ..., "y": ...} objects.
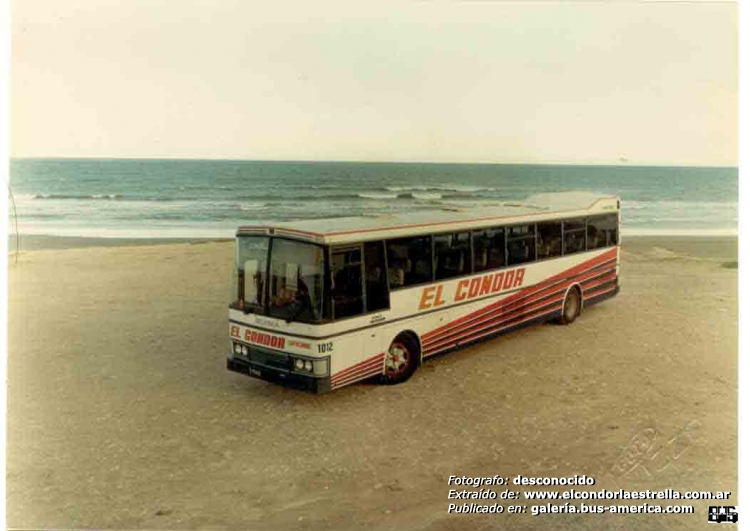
[
  {"x": 440, "y": 188},
  {"x": 72, "y": 196}
]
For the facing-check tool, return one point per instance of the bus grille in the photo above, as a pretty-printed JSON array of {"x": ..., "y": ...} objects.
[{"x": 276, "y": 360}]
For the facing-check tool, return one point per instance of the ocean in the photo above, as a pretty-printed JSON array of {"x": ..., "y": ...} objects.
[{"x": 148, "y": 198}]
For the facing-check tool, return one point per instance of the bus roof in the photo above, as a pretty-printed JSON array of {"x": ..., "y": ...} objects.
[{"x": 362, "y": 228}]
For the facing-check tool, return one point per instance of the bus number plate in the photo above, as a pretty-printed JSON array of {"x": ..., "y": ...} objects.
[{"x": 325, "y": 347}]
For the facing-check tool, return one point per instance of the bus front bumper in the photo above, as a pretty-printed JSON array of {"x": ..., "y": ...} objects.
[{"x": 278, "y": 376}]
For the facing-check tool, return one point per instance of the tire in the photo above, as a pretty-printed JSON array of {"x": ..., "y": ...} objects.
[
  {"x": 571, "y": 307},
  {"x": 401, "y": 360}
]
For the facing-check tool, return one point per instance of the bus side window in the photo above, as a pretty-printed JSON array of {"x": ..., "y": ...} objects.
[
  {"x": 549, "y": 239},
  {"x": 574, "y": 236},
  {"x": 346, "y": 287},
  {"x": 376, "y": 287},
  {"x": 451, "y": 255},
  {"x": 489, "y": 248},
  {"x": 601, "y": 231},
  {"x": 521, "y": 244},
  {"x": 398, "y": 264},
  {"x": 409, "y": 261}
]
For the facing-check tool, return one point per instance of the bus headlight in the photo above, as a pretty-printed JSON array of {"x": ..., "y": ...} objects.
[
  {"x": 237, "y": 348},
  {"x": 314, "y": 367},
  {"x": 245, "y": 350}
]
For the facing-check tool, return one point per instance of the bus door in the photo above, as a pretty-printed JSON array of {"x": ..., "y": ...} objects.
[
  {"x": 377, "y": 298},
  {"x": 347, "y": 303},
  {"x": 359, "y": 289}
]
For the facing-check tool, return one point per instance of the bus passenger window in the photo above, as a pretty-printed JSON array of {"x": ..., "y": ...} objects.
[
  {"x": 376, "y": 288},
  {"x": 574, "y": 236},
  {"x": 451, "y": 255},
  {"x": 346, "y": 281},
  {"x": 489, "y": 248},
  {"x": 601, "y": 231},
  {"x": 409, "y": 261},
  {"x": 521, "y": 244},
  {"x": 549, "y": 240},
  {"x": 398, "y": 264}
]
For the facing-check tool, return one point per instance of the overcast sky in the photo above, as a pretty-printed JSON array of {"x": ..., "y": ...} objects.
[{"x": 574, "y": 82}]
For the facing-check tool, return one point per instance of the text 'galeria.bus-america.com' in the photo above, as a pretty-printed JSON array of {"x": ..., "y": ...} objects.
[{"x": 321, "y": 304}]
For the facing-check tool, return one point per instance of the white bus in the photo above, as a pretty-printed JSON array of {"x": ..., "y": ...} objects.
[{"x": 321, "y": 304}]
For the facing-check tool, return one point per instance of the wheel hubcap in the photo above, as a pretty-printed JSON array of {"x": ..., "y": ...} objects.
[{"x": 397, "y": 359}]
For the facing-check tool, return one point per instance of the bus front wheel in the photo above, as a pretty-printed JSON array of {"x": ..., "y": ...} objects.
[
  {"x": 401, "y": 360},
  {"x": 571, "y": 306}
]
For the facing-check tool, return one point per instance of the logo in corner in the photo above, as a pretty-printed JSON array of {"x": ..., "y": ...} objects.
[{"x": 726, "y": 514}]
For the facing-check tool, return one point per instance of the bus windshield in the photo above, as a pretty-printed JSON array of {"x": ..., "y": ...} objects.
[
  {"x": 251, "y": 254},
  {"x": 296, "y": 287},
  {"x": 294, "y": 291}
]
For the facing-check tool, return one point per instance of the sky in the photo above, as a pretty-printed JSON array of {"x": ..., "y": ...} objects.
[{"x": 539, "y": 82}]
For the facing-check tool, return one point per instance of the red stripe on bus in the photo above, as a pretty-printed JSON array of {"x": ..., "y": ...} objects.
[
  {"x": 354, "y": 368},
  {"x": 372, "y": 364},
  {"x": 519, "y": 307},
  {"x": 360, "y": 374},
  {"x": 529, "y": 317},
  {"x": 597, "y": 281},
  {"x": 519, "y": 313},
  {"x": 356, "y": 378},
  {"x": 556, "y": 278},
  {"x": 604, "y": 257},
  {"x": 599, "y": 292},
  {"x": 509, "y": 307},
  {"x": 458, "y": 336},
  {"x": 493, "y": 313},
  {"x": 359, "y": 364},
  {"x": 468, "y": 332},
  {"x": 493, "y": 330}
]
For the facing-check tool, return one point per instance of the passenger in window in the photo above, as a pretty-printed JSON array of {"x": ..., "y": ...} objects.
[
  {"x": 483, "y": 258},
  {"x": 397, "y": 275},
  {"x": 398, "y": 265},
  {"x": 592, "y": 237},
  {"x": 549, "y": 242},
  {"x": 574, "y": 242},
  {"x": 489, "y": 248},
  {"x": 555, "y": 247},
  {"x": 519, "y": 252},
  {"x": 451, "y": 252}
]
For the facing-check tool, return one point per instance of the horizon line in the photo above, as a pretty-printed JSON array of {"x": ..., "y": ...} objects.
[{"x": 624, "y": 164}]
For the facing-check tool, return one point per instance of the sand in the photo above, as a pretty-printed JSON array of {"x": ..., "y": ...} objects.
[{"x": 122, "y": 414}]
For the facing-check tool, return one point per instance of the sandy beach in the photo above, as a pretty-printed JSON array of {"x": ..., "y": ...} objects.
[{"x": 122, "y": 414}]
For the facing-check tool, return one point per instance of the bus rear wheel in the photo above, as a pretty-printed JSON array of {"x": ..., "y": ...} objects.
[
  {"x": 401, "y": 360},
  {"x": 571, "y": 306}
]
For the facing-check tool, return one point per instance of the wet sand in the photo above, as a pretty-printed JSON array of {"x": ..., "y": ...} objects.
[
  {"x": 34, "y": 242},
  {"x": 122, "y": 414}
]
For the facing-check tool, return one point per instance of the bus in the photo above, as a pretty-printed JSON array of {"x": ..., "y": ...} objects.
[{"x": 321, "y": 304}]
